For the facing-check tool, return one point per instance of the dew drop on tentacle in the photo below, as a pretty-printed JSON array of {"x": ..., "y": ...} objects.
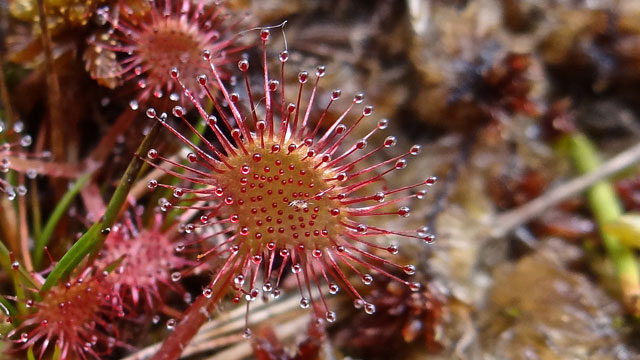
[
  {"x": 404, "y": 211},
  {"x": 369, "y": 309},
  {"x": 358, "y": 303},
  {"x": 303, "y": 76},
  {"x": 284, "y": 56},
  {"x": 423, "y": 231},
  {"x": 409, "y": 269},
  {"x": 429, "y": 238},
  {"x": 392, "y": 249},
  {"x": 207, "y": 292},
  {"x": 152, "y": 184},
  {"x": 243, "y": 65},
  {"x": 333, "y": 288},
  {"x": 367, "y": 279},
  {"x": 304, "y": 303},
  {"x": 264, "y": 34},
  {"x": 26, "y": 141},
  {"x": 331, "y": 316}
]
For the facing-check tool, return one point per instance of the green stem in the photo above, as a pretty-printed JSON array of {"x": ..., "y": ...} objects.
[
  {"x": 55, "y": 217},
  {"x": 92, "y": 240},
  {"x": 17, "y": 285},
  {"x": 606, "y": 207},
  {"x": 6, "y": 304},
  {"x": 5, "y": 262}
]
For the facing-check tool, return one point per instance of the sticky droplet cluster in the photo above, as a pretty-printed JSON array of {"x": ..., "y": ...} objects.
[
  {"x": 169, "y": 33},
  {"x": 12, "y": 143}
]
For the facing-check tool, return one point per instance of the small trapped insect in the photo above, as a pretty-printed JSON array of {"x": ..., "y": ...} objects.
[{"x": 300, "y": 204}]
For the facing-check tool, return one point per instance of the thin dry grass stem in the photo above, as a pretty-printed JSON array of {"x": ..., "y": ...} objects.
[
  {"x": 92, "y": 200},
  {"x": 105, "y": 147},
  {"x": 34, "y": 192},
  {"x": 34, "y": 199},
  {"x": 234, "y": 321},
  {"x": 54, "y": 97},
  {"x": 509, "y": 220},
  {"x": 8, "y": 223},
  {"x": 213, "y": 344},
  {"x": 243, "y": 349},
  {"x": 170, "y": 312},
  {"x": 24, "y": 230},
  {"x": 4, "y": 91},
  {"x": 440, "y": 201},
  {"x": 220, "y": 331}
]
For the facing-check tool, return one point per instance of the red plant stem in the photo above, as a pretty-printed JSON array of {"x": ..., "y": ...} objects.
[
  {"x": 49, "y": 168},
  {"x": 4, "y": 92},
  {"x": 195, "y": 316},
  {"x": 105, "y": 147}
]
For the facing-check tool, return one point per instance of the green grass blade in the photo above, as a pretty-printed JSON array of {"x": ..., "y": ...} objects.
[
  {"x": 92, "y": 240},
  {"x": 55, "y": 217}
]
